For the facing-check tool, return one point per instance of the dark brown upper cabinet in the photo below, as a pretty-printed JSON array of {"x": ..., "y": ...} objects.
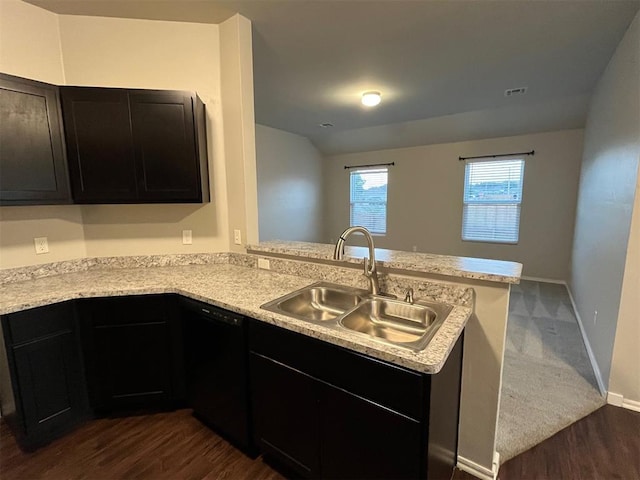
[
  {"x": 135, "y": 146},
  {"x": 33, "y": 168},
  {"x": 100, "y": 147}
]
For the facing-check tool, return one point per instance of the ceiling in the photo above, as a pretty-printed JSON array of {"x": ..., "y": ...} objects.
[{"x": 430, "y": 59}]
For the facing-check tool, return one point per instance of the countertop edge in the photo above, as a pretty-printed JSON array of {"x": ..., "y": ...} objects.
[
  {"x": 438, "y": 349},
  {"x": 485, "y": 269}
]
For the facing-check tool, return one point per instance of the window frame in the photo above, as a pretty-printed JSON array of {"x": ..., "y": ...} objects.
[
  {"x": 516, "y": 202},
  {"x": 357, "y": 170}
]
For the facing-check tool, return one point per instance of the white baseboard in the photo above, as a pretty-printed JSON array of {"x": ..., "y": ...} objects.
[
  {"x": 496, "y": 462},
  {"x": 543, "y": 280},
  {"x": 615, "y": 399},
  {"x": 619, "y": 401},
  {"x": 592, "y": 357},
  {"x": 478, "y": 471}
]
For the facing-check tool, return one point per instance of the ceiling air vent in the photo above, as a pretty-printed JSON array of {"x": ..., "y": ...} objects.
[{"x": 515, "y": 91}]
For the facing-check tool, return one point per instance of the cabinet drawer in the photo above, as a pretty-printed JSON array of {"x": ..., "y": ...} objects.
[
  {"x": 114, "y": 311},
  {"x": 29, "y": 325},
  {"x": 395, "y": 387}
]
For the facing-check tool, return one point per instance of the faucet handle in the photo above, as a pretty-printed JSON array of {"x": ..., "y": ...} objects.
[
  {"x": 369, "y": 267},
  {"x": 409, "y": 296}
]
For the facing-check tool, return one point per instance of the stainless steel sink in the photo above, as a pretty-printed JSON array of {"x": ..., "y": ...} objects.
[
  {"x": 386, "y": 320},
  {"x": 396, "y": 322},
  {"x": 320, "y": 302}
]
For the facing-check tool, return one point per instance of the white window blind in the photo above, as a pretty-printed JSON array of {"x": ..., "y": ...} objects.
[
  {"x": 492, "y": 198},
  {"x": 369, "y": 199}
]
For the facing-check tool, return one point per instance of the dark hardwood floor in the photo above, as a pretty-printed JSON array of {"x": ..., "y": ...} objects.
[
  {"x": 605, "y": 445},
  {"x": 160, "y": 446}
]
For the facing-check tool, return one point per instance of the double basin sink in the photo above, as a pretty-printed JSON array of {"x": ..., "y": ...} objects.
[{"x": 386, "y": 320}]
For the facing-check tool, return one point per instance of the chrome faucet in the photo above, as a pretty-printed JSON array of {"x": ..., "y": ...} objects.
[
  {"x": 409, "y": 296},
  {"x": 370, "y": 270}
]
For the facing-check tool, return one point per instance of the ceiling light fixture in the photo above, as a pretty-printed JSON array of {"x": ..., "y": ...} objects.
[{"x": 371, "y": 99}]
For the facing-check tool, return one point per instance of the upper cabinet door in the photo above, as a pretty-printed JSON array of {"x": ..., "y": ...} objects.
[
  {"x": 33, "y": 168},
  {"x": 166, "y": 146},
  {"x": 99, "y": 145}
]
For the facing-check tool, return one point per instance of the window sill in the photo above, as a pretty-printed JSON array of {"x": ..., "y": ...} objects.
[{"x": 496, "y": 242}]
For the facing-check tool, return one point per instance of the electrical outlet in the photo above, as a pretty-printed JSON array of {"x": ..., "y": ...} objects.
[
  {"x": 187, "y": 237},
  {"x": 41, "y": 244},
  {"x": 595, "y": 316},
  {"x": 264, "y": 263},
  {"x": 415, "y": 248},
  {"x": 237, "y": 237}
]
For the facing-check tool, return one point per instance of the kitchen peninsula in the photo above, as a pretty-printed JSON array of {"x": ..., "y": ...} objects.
[
  {"x": 233, "y": 282},
  {"x": 485, "y": 332}
]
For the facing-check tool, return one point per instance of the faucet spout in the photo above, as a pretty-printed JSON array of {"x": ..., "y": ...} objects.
[{"x": 370, "y": 269}]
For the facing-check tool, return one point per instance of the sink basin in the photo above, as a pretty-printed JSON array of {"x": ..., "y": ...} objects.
[
  {"x": 320, "y": 302},
  {"x": 387, "y": 320},
  {"x": 395, "y": 322}
]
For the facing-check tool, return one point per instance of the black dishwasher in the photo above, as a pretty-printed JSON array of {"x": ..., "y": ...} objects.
[{"x": 216, "y": 369}]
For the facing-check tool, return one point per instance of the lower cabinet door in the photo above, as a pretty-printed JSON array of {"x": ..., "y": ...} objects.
[
  {"x": 133, "y": 365},
  {"x": 360, "y": 439},
  {"x": 286, "y": 414},
  {"x": 130, "y": 352},
  {"x": 51, "y": 387}
]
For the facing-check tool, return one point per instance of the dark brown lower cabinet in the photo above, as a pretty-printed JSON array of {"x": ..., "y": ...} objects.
[
  {"x": 327, "y": 412},
  {"x": 286, "y": 411},
  {"x": 44, "y": 395},
  {"x": 320, "y": 410},
  {"x": 360, "y": 439},
  {"x": 132, "y": 349}
]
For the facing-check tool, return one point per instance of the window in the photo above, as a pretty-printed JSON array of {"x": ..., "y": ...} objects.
[
  {"x": 492, "y": 197},
  {"x": 369, "y": 199}
]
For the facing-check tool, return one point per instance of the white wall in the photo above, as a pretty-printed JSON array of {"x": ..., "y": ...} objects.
[
  {"x": 239, "y": 129},
  {"x": 425, "y": 199},
  {"x": 625, "y": 363},
  {"x": 482, "y": 364},
  {"x": 30, "y": 48},
  {"x": 289, "y": 186},
  {"x": 608, "y": 184}
]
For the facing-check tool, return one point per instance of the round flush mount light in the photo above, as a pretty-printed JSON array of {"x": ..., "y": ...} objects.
[{"x": 371, "y": 99}]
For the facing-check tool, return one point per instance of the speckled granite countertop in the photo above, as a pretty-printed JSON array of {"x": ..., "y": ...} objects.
[
  {"x": 464, "y": 267},
  {"x": 236, "y": 288}
]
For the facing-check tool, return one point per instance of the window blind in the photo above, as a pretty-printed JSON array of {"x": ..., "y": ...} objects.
[
  {"x": 492, "y": 199},
  {"x": 369, "y": 199}
]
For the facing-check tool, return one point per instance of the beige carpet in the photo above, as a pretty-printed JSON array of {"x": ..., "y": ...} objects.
[{"x": 547, "y": 382}]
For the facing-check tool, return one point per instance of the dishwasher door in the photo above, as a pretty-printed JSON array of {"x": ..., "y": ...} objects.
[{"x": 216, "y": 369}]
